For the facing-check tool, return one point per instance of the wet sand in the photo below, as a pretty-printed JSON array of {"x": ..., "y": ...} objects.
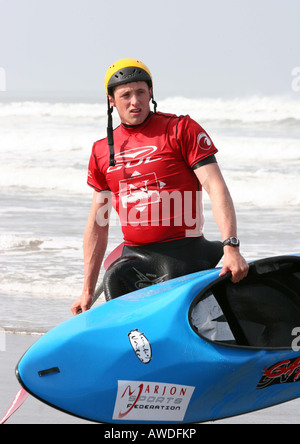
[{"x": 35, "y": 412}]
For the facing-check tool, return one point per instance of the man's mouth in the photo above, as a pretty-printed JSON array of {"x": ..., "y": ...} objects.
[{"x": 136, "y": 111}]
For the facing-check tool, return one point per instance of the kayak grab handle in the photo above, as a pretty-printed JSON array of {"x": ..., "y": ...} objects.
[{"x": 49, "y": 371}]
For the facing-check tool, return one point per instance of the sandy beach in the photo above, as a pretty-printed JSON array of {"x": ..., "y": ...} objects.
[{"x": 35, "y": 412}]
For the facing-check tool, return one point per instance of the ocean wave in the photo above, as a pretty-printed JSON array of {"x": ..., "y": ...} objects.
[
  {"x": 51, "y": 158},
  {"x": 264, "y": 189},
  {"x": 57, "y": 110},
  {"x": 266, "y": 182},
  {"x": 41, "y": 288},
  {"x": 30, "y": 331},
  {"x": 284, "y": 110},
  {"x": 43, "y": 179},
  {"x": 264, "y": 164},
  {"x": 24, "y": 243},
  {"x": 253, "y": 110},
  {"x": 9, "y": 242}
]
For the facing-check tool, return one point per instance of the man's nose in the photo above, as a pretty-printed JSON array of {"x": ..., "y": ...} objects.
[{"x": 134, "y": 100}]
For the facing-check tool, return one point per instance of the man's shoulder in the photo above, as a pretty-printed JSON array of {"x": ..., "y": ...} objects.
[
  {"x": 174, "y": 117},
  {"x": 104, "y": 142},
  {"x": 166, "y": 116},
  {"x": 166, "y": 120},
  {"x": 100, "y": 142}
]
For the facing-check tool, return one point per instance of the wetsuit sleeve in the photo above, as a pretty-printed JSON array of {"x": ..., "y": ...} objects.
[
  {"x": 196, "y": 145},
  {"x": 96, "y": 178},
  {"x": 207, "y": 161}
]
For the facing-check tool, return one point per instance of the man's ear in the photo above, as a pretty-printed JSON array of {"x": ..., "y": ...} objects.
[{"x": 111, "y": 100}]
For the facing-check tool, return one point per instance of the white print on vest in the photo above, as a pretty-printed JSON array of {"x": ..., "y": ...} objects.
[
  {"x": 134, "y": 157},
  {"x": 135, "y": 191},
  {"x": 204, "y": 141}
]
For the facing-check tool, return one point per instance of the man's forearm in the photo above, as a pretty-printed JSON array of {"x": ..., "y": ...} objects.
[
  {"x": 222, "y": 205},
  {"x": 224, "y": 212},
  {"x": 94, "y": 247}
]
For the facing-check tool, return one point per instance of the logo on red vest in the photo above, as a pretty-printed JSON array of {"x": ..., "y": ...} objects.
[
  {"x": 204, "y": 141},
  {"x": 136, "y": 153},
  {"x": 134, "y": 157}
]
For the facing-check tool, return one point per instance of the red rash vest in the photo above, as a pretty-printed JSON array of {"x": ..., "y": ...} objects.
[{"x": 154, "y": 188}]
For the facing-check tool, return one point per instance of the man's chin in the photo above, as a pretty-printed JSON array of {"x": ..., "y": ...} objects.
[{"x": 136, "y": 119}]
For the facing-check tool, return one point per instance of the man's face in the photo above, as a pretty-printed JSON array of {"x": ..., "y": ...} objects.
[{"x": 132, "y": 102}]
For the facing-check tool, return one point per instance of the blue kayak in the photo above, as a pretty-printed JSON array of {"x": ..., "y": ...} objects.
[{"x": 194, "y": 349}]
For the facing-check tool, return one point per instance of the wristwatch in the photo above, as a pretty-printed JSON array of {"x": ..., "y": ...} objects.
[{"x": 232, "y": 241}]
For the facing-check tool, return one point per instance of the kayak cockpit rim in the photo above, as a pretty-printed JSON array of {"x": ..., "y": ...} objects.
[{"x": 259, "y": 313}]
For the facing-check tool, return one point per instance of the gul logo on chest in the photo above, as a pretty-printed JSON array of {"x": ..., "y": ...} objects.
[{"x": 134, "y": 157}]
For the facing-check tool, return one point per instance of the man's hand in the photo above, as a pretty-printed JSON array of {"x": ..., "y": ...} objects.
[
  {"x": 83, "y": 303},
  {"x": 235, "y": 263}
]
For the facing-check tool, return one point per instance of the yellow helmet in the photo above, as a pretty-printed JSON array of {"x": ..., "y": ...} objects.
[{"x": 126, "y": 71}]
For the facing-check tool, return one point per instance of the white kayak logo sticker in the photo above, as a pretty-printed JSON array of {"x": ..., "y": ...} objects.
[
  {"x": 141, "y": 346},
  {"x": 151, "y": 401}
]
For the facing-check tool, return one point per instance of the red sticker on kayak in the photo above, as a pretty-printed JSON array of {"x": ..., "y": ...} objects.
[{"x": 284, "y": 372}]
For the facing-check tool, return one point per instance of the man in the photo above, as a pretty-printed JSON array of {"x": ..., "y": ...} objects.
[{"x": 154, "y": 165}]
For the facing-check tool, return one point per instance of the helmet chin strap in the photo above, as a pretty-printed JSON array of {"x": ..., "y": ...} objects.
[
  {"x": 110, "y": 136},
  {"x": 155, "y": 105}
]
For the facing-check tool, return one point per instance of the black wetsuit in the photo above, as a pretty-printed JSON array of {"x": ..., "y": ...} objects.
[{"x": 141, "y": 267}]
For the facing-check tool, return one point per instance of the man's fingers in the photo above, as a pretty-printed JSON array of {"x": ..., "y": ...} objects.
[{"x": 238, "y": 273}]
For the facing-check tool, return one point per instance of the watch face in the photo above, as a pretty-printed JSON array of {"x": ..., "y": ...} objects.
[{"x": 233, "y": 241}]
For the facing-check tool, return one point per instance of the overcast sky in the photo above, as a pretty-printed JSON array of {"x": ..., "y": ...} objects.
[{"x": 194, "y": 48}]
